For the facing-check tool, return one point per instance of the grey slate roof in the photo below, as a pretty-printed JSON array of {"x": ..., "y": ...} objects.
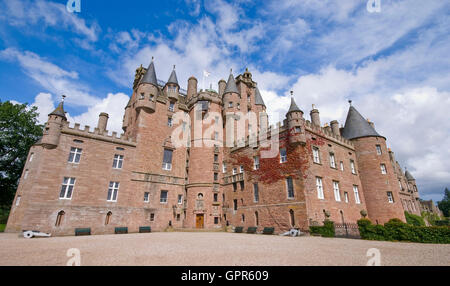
[
  {"x": 150, "y": 75},
  {"x": 408, "y": 176},
  {"x": 231, "y": 85},
  {"x": 293, "y": 106},
  {"x": 173, "y": 78},
  {"x": 258, "y": 98},
  {"x": 356, "y": 126},
  {"x": 59, "y": 111}
]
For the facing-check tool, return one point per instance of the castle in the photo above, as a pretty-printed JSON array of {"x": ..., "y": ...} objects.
[{"x": 83, "y": 178}]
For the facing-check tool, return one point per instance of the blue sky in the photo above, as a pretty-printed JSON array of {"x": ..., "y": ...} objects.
[{"x": 394, "y": 64}]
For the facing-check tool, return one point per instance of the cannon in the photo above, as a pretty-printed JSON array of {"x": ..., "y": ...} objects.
[
  {"x": 34, "y": 233},
  {"x": 292, "y": 232}
]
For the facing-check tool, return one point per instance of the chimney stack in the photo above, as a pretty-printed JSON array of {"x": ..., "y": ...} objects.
[
  {"x": 335, "y": 127},
  {"x": 315, "y": 117},
  {"x": 102, "y": 122},
  {"x": 222, "y": 85},
  {"x": 192, "y": 87}
]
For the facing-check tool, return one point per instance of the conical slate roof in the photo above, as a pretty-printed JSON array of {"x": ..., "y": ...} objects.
[
  {"x": 59, "y": 111},
  {"x": 408, "y": 176},
  {"x": 356, "y": 126},
  {"x": 258, "y": 98},
  {"x": 150, "y": 75},
  {"x": 293, "y": 107},
  {"x": 231, "y": 85},
  {"x": 173, "y": 78}
]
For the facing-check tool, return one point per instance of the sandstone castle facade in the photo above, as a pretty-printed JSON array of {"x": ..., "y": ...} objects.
[{"x": 82, "y": 178}]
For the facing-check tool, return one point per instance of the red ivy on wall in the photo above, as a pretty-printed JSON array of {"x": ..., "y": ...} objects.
[{"x": 270, "y": 169}]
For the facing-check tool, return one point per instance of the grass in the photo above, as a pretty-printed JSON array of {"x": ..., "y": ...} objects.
[{"x": 2, "y": 227}]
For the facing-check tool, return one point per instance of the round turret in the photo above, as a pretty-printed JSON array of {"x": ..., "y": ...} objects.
[
  {"x": 52, "y": 130},
  {"x": 295, "y": 122}
]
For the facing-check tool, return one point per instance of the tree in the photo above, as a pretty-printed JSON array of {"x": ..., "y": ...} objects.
[
  {"x": 444, "y": 205},
  {"x": 19, "y": 130}
]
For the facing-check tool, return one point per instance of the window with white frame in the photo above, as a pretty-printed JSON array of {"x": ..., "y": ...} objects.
[
  {"x": 290, "y": 187},
  {"x": 25, "y": 176},
  {"x": 230, "y": 104},
  {"x": 283, "y": 155},
  {"x": 169, "y": 121},
  {"x": 316, "y": 157},
  {"x": 342, "y": 166},
  {"x": 113, "y": 191},
  {"x": 346, "y": 197},
  {"x": 379, "y": 150},
  {"x": 167, "y": 160},
  {"x": 256, "y": 163},
  {"x": 332, "y": 161},
  {"x": 337, "y": 194},
  {"x": 67, "y": 189},
  {"x": 241, "y": 169},
  {"x": 356, "y": 192},
  {"x": 224, "y": 167},
  {"x": 118, "y": 161},
  {"x": 31, "y": 156},
  {"x": 146, "y": 197},
  {"x": 18, "y": 201},
  {"x": 234, "y": 171},
  {"x": 390, "y": 197},
  {"x": 163, "y": 197},
  {"x": 383, "y": 169},
  {"x": 255, "y": 192},
  {"x": 319, "y": 186},
  {"x": 75, "y": 155},
  {"x": 352, "y": 166},
  {"x": 180, "y": 199},
  {"x": 171, "y": 106}
]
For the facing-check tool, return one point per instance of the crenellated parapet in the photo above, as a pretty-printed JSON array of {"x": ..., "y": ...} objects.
[
  {"x": 97, "y": 134},
  {"x": 328, "y": 134}
]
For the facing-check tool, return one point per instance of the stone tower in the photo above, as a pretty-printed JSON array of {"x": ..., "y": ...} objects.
[
  {"x": 52, "y": 130},
  {"x": 373, "y": 166},
  {"x": 296, "y": 124}
]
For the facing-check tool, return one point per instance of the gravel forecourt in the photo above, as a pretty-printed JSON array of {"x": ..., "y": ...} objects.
[{"x": 214, "y": 249}]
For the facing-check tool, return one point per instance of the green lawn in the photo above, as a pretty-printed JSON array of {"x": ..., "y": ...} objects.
[{"x": 2, "y": 227}]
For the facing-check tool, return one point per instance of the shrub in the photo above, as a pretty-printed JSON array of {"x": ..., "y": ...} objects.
[
  {"x": 327, "y": 230},
  {"x": 413, "y": 219},
  {"x": 4, "y": 213},
  {"x": 396, "y": 230},
  {"x": 442, "y": 222}
]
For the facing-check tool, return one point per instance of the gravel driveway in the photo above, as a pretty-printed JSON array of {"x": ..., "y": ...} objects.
[{"x": 203, "y": 248}]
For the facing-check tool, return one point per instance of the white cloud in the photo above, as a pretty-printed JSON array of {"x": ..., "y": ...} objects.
[{"x": 46, "y": 14}]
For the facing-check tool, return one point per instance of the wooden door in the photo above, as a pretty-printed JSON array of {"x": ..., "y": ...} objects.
[{"x": 199, "y": 223}]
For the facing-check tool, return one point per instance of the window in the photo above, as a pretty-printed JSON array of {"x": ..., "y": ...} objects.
[
  {"x": 379, "y": 150},
  {"x": 169, "y": 121},
  {"x": 142, "y": 96},
  {"x": 283, "y": 155},
  {"x": 316, "y": 157},
  {"x": 256, "y": 163},
  {"x": 337, "y": 194},
  {"x": 118, "y": 161},
  {"x": 235, "y": 205},
  {"x": 167, "y": 160},
  {"x": 390, "y": 197},
  {"x": 59, "y": 218},
  {"x": 342, "y": 166},
  {"x": 256, "y": 192},
  {"x": 216, "y": 158},
  {"x": 216, "y": 136},
  {"x": 18, "y": 201},
  {"x": 108, "y": 218},
  {"x": 146, "y": 197},
  {"x": 151, "y": 97},
  {"x": 230, "y": 104},
  {"x": 67, "y": 189},
  {"x": 216, "y": 176},
  {"x": 238, "y": 106},
  {"x": 180, "y": 199},
  {"x": 216, "y": 120},
  {"x": 204, "y": 105},
  {"x": 152, "y": 217},
  {"x": 290, "y": 187},
  {"x": 25, "y": 176},
  {"x": 346, "y": 197},
  {"x": 216, "y": 197},
  {"x": 400, "y": 184},
  {"x": 241, "y": 169},
  {"x": 163, "y": 197},
  {"x": 224, "y": 167},
  {"x": 256, "y": 219},
  {"x": 319, "y": 188},
  {"x": 31, "y": 156},
  {"x": 171, "y": 106},
  {"x": 383, "y": 169},
  {"x": 75, "y": 155},
  {"x": 355, "y": 190},
  {"x": 243, "y": 218},
  {"x": 352, "y": 166},
  {"x": 235, "y": 187},
  {"x": 234, "y": 171},
  {"x": 216, "y": 220},
  {"x": 292, "y": 216},
  {"x": 112, "y": 191},
  {"x": 332, "y": 161},
  {"x": 241, "y": 183},
  {"x": 298, "y": 129}
]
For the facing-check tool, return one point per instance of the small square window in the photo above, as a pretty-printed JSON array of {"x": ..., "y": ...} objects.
[
  {"x": 146, "y": 197},
  {"x": 152, "y": 217},
  {"x": 163, "y": 197},
  {"x": 283, "y": 155}
]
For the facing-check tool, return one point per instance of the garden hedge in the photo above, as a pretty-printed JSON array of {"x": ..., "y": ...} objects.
[
  {"x": 327, "y": 230},
  {"x": 396, "y": 230}
]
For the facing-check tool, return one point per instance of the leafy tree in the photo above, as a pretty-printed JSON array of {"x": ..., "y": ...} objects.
[
  {"x": 444, "y": 205},
  {"x": 19, "y": 130}
]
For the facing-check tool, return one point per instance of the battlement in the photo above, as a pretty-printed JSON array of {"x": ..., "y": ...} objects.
[
  {"x": 328, "y": 134},
  {"x": 97, "y": 135}
]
